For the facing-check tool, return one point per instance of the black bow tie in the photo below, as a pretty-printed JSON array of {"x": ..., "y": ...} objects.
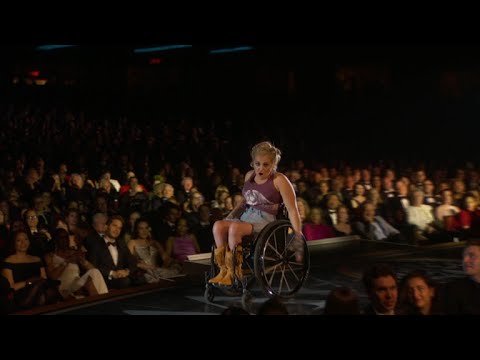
[
  {"x": 332, "y": 211},
  {"x": 111, "y": 243}
]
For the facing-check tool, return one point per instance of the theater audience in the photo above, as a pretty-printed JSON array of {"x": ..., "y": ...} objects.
[{"x": 61, "y": 164}]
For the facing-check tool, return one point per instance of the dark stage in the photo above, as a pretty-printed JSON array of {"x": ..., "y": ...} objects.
[{"x": 337, "y": 263}]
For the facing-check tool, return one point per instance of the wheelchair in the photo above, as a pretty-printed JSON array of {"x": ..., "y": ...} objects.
[{"x": 268, "y": 258}]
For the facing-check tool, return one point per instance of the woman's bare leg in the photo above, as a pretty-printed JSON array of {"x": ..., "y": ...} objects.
[
  {"x": 90, "y": 287},
  {"x": 237, "y": 231},
  {"x": 220, "y": 232}
]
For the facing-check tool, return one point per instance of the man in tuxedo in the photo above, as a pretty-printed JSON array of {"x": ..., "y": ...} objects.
[
  {"x": 380, "y": 282},
  {"x": 333, "y": 202},
  {"x": 112, "y": 257}
]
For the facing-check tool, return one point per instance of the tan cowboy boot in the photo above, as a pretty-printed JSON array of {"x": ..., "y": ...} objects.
[
  {"x": 239, "y": 262},
  {"x": 220, "y": 261},
  {"x": 228, "y": 278}
]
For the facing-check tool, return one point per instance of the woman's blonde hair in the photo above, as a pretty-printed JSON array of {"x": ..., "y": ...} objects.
[{"x": 266, "y": 148}]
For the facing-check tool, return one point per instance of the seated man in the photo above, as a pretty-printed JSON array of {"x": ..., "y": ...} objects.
[
  {"x": 463, "y": 296},
  {"x": 374, "y": 227},
  {"x": 112, "y": 257},
  {"x": 380, "y": 282},
  {"x": 420, "y": 216}
]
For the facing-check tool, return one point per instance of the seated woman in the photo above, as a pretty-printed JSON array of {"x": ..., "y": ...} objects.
[
  {"x": 315, "y": 228},
  {"x": 148, "y": 252},
  {"x": 469, "y": 217},
  {"x": 77, "y": 276},
  {"x": 358, "y": 196},
  {"x": 264, "y": 190},
  {"x": 183, "y": 243},
  {"x": 447, "y": 211},
  {"x": 418, "y": 294},
  {"x": 343, "y": 227},
  {"x": 26, "y": 275}
]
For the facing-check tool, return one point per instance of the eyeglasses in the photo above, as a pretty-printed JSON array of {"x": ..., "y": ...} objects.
[{"x": 31, "y": 217}]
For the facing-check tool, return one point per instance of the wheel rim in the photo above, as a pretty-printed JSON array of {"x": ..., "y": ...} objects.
[{"x": 276, "y": 265}]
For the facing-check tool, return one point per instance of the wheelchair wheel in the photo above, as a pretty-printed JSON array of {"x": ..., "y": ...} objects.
[
  {"x": 277, "y": 269},
  {"x": 209, "y": 293}
]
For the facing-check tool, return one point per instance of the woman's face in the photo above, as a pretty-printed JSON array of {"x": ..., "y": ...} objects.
[
  {"x": 359, "y": 190},
  {"x": 182, "y": 227},
  {"x": 228, "y": 203},
  {"x": 316, "y": 216},
  {"x": 133, "y": 217},
  {"x": 419, "y": 293},
  {"x": 301, "y": 209},
  {"x": 21, "y": 242},
  {"x": 197, "y": 199},
  {"x": 342, "y": 214},
  {"x": 470, "y": 203},
  {"x": 263, "y": 166},
  {"x": 143, "y": 230},
  {"x": 72, "y": 218}
]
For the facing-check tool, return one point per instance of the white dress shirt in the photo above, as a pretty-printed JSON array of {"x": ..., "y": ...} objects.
[{"x": 113, "y": 250}]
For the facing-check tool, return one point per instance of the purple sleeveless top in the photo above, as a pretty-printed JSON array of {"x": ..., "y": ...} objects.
[
  {"x": 182, "y": 247},
  {"x": 263, "y": 197}
]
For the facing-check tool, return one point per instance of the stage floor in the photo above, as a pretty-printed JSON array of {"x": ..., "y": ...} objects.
[{"x": 334, "y": 264}]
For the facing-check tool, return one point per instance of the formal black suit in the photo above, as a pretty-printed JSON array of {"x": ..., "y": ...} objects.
[
  {"x": 100, "y": 257},
  {"x": 92, "y": 239},
  {"x": 462, "y": 296}
]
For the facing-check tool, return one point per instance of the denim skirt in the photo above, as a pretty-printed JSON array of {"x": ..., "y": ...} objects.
[{"x": 258, "y": 218}]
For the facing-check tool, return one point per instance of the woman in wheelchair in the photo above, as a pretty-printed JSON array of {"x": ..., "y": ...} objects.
[{"x": 264, "y": 191}]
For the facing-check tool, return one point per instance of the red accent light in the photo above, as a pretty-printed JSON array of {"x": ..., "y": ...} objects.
[
  {"x": 34, "y": 73},
  {"x": 155, "y": 61}
]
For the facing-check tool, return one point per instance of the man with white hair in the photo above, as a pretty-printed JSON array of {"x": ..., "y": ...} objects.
[{"x": 99, "y": 223}]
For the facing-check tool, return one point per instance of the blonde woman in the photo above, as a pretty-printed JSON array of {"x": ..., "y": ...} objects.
[{"x": 264, "y": 190}]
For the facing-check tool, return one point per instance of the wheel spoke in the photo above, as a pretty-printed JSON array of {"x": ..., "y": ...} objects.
[
  {"x": 293, "y": 272},
  {"x": 296, "y": 263},
  {"x": 270, "y": 258},
  {"x": 286, "y": 281},
  {"x": 275, "y": 239},
  {"x": 273, "y": 268},
  {"x": 270, "y": 246},
  {"x": 281, "y": 281}
]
